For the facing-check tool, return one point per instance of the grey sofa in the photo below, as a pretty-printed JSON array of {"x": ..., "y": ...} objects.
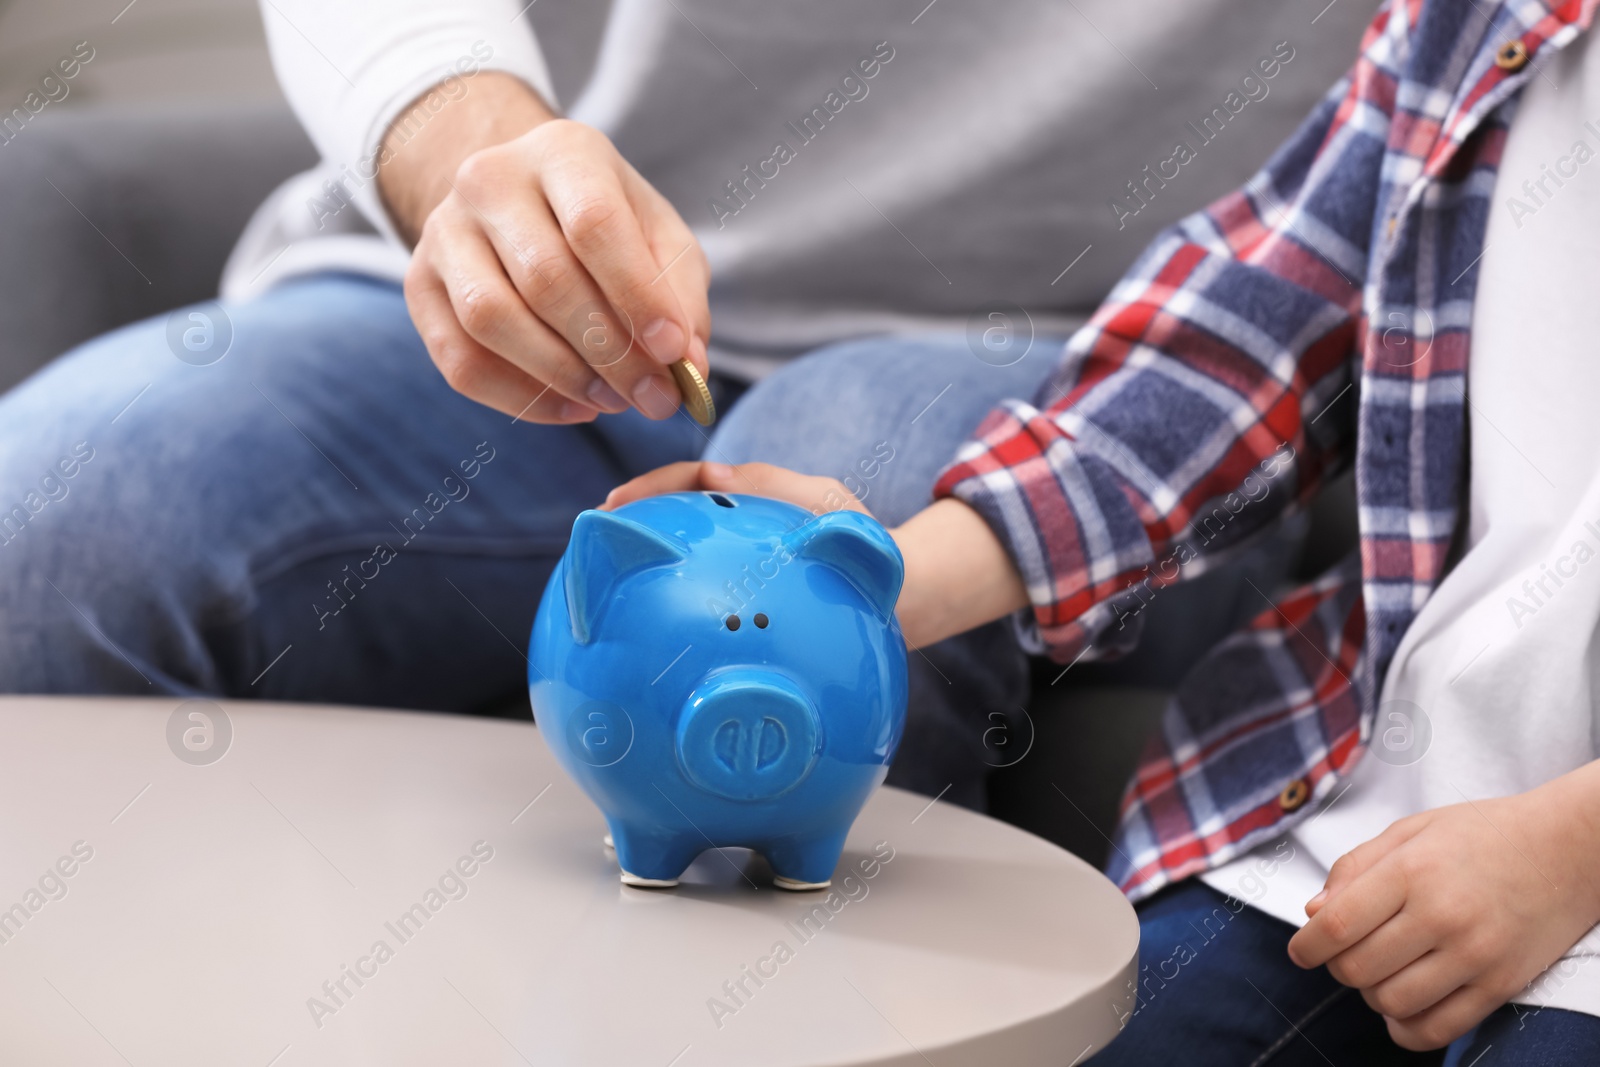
[{"x": 113, "y": 216}]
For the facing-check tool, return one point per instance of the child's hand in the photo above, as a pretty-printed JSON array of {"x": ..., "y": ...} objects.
[
  {"x": 816, "y": 494},
  {"x": 1447, "y": 915},
  {"x": 958, "y": 574}
]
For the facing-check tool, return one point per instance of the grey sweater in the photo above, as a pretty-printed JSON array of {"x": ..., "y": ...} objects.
[{"x": 850, "y": 166}]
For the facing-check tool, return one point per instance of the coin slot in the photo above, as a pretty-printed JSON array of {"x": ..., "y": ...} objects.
[{"x": 721, "y": 501}]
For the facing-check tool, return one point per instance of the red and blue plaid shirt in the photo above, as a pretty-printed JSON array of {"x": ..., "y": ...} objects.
[{"x": 1318, "y": 317}]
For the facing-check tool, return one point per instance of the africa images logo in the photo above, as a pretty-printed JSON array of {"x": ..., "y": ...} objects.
[
  {"x": 852, "y": 88},
  {"x": 1252, "y": 87},
  {"x": 199, "y": 732}
]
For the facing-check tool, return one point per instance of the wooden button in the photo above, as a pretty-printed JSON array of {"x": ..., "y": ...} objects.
[
  {"x": 1295, "y": 795},
  {"x": 1513, "y": 55}
]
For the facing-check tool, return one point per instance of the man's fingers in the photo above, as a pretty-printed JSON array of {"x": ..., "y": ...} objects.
[
  {"x": 682, "y": 261},
  {"x": 554, "y": 283},
  {"x": 545, "y": 260},
  {"x": 683, "y": 270},
  {"x": 494, "y": 314},
  {"x": 586, "y": 340},
  {"x": 551, "y": 281},
  {"x": 673, "y": 478},
  {"x": 473, "y": 370},
  {"x": 603, "y": 228},
  {"x": 1350, "y": 915},
  {"x": 696, "y": 351},
  {"x": 697, "y": 356}
]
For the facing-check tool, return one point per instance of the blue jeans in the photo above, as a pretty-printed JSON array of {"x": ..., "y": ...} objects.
[
  {"x": 1217, "y": 989},
  {"x": 317, "y": 516}
]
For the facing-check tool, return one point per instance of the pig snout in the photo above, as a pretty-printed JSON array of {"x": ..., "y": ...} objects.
[{"x": 748, "y": 734}]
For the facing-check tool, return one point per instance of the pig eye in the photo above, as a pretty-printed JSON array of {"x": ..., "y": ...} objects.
[
  {"x": 732, "y": 622},
  {"x": 761, "y": 621}
]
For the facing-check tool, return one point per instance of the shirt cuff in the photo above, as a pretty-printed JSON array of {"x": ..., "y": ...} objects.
[{"x": 1067, "y": 521}]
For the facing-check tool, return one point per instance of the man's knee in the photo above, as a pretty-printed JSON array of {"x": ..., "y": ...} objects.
[
  {"x": 847, "y": 412},
  {"x": 65, "y": 577},
  {"x": 23, "y": 502},
  {"x": 798, "y": 415}
]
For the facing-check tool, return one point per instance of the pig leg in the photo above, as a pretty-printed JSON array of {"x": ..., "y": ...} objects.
[
  {"x": 801, "y": 863},
  {"x": 653, "y": 859}
]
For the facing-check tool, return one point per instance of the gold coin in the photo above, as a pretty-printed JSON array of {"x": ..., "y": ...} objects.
[{"x": 696, "y": 397}]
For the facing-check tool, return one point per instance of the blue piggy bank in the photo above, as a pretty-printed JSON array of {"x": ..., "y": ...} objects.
[{"x": 721, "y": 670}]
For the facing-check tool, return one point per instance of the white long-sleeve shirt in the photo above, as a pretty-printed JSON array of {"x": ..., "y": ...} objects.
[{"x": 849, "y": 166}]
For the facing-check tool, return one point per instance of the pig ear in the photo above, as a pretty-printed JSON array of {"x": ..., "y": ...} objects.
[
  {"x": 858, "y": 548},
  {"x": 606, "y": 548}
]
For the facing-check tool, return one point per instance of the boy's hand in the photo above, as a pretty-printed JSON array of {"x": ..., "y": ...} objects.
[
  {"x": 816, "y": 494},
  {"x": 958, "y": 574},
  {"x": 1447, "y": 915}
]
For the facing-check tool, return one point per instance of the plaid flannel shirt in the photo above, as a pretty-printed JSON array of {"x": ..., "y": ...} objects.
[{"x": 1318, "y": 317}]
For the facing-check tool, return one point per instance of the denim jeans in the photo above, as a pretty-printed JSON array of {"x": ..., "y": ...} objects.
[
  {"x": 317, "y": 516},
  {"x": 1216, "y": 989}
]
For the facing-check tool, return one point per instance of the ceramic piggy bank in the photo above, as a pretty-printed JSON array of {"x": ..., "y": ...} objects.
[{"x": 723, "y": 670}]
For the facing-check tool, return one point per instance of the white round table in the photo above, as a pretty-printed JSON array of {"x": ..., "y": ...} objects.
[{"x": 349, "y": 887}]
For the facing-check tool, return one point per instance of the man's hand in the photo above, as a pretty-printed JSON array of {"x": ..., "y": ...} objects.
[
  {"x": 549, "y": 281},
  {"x": 958, "y": 574},
  {"x": 1447, "y": 915}
]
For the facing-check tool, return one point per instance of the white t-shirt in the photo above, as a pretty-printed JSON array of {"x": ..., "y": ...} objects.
[{"x": 1491, "y": 690}]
